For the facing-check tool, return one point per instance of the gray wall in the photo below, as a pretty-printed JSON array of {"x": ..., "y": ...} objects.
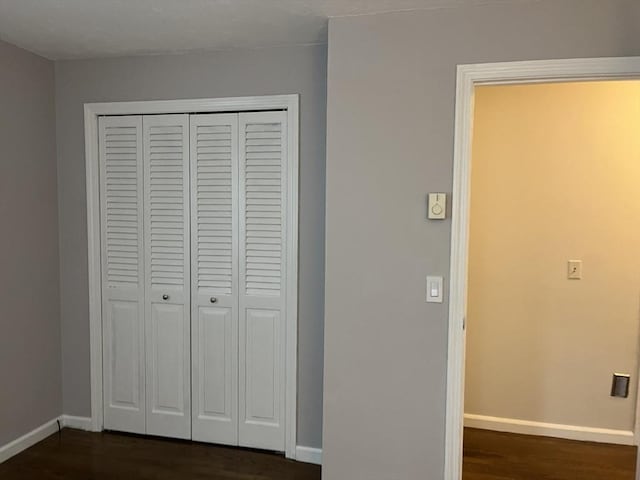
[
  {"x": 390, "y": 115},
  {"x": 220, "y": 74},
  {"x": 29, "y": 275}
]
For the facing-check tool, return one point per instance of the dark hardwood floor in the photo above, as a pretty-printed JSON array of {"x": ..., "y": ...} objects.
[
  {"x": 76, "y": 455},
  {"x": 506, "y": 456}
]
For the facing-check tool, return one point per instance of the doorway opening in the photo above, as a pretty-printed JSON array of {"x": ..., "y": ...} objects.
[
  {"x": 543, "y": 273},
  {"x": 554, "y": 278}
]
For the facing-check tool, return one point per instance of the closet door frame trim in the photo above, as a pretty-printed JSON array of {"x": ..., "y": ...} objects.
[{"x": 289, "y": 103}]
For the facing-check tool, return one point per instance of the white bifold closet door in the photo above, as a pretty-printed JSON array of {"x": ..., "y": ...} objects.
[
  {"x": 167, "y": 275},
  {"x": 144, "y": 196},
  {"x": 238, "y": 178},
  {"x": 194, "y": 256},
  {"x": 121, "y": 209}
]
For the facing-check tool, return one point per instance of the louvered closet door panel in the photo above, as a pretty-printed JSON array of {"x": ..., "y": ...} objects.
[
  {"x": 214, "y": 270},
  {"x": 167, "y": 276},
  {"x": 262, "y": 282},
  {"x": 121, "y": 203}
]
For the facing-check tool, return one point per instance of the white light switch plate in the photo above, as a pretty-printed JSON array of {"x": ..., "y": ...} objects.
[
  {"x": 574, "y": 270},
  {"x": 437, "y": 206},
  {"x": 434, "y": 289}
]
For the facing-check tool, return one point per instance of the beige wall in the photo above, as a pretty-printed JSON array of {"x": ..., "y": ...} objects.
[
  {"x": 555, "y": 176},
  {"x": 390, "y": 107}
]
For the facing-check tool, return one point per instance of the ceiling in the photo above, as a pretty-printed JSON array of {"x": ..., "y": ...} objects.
[{"x": 62, "y": 29}]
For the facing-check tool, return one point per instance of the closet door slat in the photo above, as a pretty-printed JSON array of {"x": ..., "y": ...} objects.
[
  {"x": 121, "y": 204},
  {"x": 167, "y": 275},
  {"x": 262, "y": 281},
  {"x": 214, "y": 277}
]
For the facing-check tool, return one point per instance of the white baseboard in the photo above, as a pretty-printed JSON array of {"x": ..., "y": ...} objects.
[
  {"x": 309, "y": 455},
  {"x": 79, "y": 423},
  {"x": 34, "y": 436},
  {"x": 571, "y": 432}
]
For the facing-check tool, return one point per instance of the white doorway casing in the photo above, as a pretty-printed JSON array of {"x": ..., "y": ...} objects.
[
  {"x": 92, "y": 111},
  {"x": 468, "y": 77}
]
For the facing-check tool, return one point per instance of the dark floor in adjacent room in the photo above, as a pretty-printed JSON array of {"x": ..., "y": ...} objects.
[
  {"x": 506, "y": 456},
  {"x": 76, "y": 455}
]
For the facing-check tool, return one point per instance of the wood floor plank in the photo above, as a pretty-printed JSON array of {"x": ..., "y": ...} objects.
[{"x": 506, "y": 456}]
